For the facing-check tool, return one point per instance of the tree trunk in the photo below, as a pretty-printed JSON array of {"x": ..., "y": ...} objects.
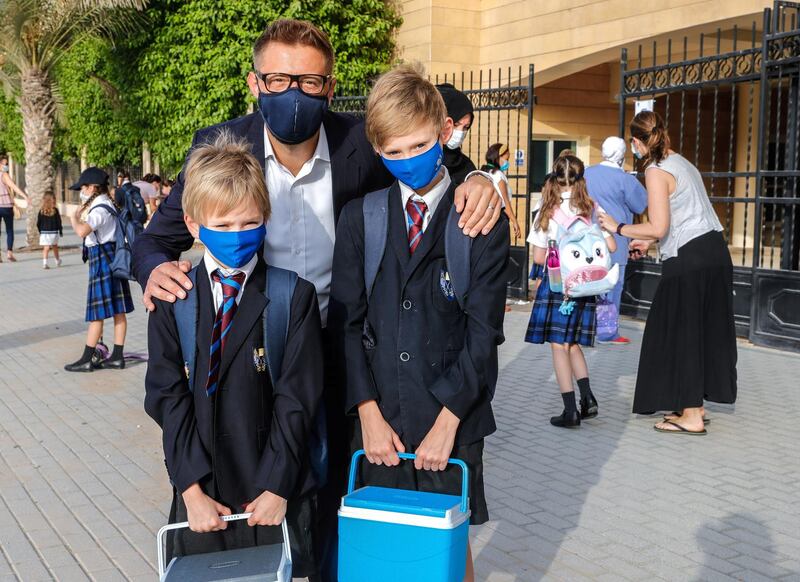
[{"x": 38, "y": 119}]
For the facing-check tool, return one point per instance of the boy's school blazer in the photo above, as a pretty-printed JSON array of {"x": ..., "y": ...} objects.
[
  {"x": 418, "y": 351},
  {"x": 249, "y": 436}
]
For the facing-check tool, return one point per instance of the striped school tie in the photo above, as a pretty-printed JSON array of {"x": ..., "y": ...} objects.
[
  {"x": 222, "y": 324},
  {"x": 415, "y": 214}
]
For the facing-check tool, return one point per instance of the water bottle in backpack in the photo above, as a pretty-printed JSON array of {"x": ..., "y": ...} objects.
[{"x": 554, "y": 267}]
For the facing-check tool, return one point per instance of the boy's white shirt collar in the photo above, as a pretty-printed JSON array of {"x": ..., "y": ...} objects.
[
  {"x": 212, "y": 265},
  {"x": 431, "y": 198}
]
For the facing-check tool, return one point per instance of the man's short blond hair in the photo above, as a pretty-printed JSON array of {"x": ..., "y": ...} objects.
[
  {"x": 402, "y": 100},
  {"x": 220, "y": 176}
]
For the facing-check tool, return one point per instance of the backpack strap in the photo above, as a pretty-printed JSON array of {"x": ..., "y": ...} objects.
[
  {"x": 279, "y": 290},
  {"x": 376, "y": 227},
  {"x": 186, "y": 318},
  {"x": 111, "y": 210},
  {"x": 458, "y": 253}
]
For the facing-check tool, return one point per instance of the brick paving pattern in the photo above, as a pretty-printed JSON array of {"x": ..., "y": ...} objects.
[{"x": 83, "y": 487}]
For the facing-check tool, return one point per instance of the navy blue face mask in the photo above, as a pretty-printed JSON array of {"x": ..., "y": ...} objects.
[
  {"x": 233, "y": 248},
  {"x": 292, "y": 116},
  {"x": 419, "y": 171}
]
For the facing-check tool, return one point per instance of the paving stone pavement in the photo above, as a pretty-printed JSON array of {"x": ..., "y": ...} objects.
[{"x": 83, "y": 487}]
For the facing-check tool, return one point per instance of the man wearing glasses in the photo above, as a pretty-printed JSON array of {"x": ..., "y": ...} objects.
[{"x": 315, "y": 161}]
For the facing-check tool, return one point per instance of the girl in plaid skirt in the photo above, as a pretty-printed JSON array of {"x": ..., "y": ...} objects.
[
  {"x": 565, "y": 331},
  {"x": 107, "y": 296}
]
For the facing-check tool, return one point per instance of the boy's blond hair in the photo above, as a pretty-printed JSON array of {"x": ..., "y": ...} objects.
[
  {"x": 220, "y": 176},
  {"x": 402, "y": 100}
]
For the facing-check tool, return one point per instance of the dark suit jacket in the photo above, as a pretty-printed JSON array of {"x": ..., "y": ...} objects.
[
  {"x": 355, "y": 170},
  {"x": 249, "y": 436},
  {"x": 452, "y": 354}
]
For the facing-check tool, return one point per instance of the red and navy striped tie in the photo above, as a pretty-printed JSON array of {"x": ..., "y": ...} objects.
[
  {"x": 222, "y": 324},
  {"x": 415, "y": 213}
]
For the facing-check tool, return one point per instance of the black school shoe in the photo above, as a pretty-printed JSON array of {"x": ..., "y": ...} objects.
[
  {"x": 566, "y": 420},
  {"x": 118, "y": 364},
  {"x": 79, "y": 366},
  {"x": 588, "y": 407}
]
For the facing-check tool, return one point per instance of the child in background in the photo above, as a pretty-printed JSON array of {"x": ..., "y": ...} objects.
[
  {"x": 49, "y": 224},
  {"x": 107, "y": 296},
  {"x": 565, "y": 188}
]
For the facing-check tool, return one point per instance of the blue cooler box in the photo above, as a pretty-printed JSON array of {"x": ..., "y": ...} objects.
[
  {"x": 272, "y": 563},
  {"x": 395, "y": 535}
]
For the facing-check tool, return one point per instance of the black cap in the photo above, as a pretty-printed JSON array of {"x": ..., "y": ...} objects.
[
  {"x": 91, "y": 175},
  {"x": 458, "y": 105}
]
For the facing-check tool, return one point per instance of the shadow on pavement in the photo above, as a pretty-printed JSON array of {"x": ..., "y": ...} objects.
[{"x": 538, "y": 476}]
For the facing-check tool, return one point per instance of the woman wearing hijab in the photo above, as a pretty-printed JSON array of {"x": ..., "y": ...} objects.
[{"x": 622, "y": 196}]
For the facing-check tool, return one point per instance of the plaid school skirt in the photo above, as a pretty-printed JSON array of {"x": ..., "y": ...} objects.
[
  {"x": 548, "y": 324},
  {"x": 106, "y": 296}
]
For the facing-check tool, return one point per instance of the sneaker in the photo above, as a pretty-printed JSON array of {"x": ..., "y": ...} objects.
[
  {"x": 58, "y": 262},
  {"x": 620, "y": 341},
  {"x": 44, "y": 266}
]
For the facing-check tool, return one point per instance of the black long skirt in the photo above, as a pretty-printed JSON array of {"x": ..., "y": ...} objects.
[{"x": 689, "y": 344}]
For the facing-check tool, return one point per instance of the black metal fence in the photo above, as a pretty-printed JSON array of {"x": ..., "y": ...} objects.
[
  {"x": 730, "y": 102},
  {"x": 503, "y": 101}
]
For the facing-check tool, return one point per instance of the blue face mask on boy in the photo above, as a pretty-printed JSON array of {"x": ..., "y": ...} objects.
[
  {"x": 233, "y": 248},
  {"x": 419, "y": 171}
]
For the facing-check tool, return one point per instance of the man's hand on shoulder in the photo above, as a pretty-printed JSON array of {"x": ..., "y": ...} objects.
[
  {"x": 479, "y": 204},
  {"x": 167, "y": 283}
]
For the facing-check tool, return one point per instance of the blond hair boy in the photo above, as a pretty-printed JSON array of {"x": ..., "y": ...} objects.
[
  {"x": 420, "y": 367},
  {"x": 235, "y": 433}
]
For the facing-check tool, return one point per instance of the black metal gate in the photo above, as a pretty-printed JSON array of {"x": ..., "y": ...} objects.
[
  {"x": 733, "y": 111},
  {"x": 503, "y": 101}
]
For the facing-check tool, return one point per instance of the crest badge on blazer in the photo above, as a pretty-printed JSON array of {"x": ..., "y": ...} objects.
[
  {"x": 259, "y": 360},
  {"x": 446, "y": 286}
]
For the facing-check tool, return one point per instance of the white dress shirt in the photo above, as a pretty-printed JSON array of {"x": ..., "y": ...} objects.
[
  {"x": 301, "y": 231},
  {"x": 216, "y": 288},
  {"x": 431, "y": 198},
  {"x": 103, "y": 224}
]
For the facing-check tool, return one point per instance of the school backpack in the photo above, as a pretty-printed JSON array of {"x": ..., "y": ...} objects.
[
  {"x": 124, "y": 234},
  {"x": 278, "y": 290},
  {"x": 586, "y": 268},
  {"x": 457, "y": 245},
  {"x": 134, "y": 204}
]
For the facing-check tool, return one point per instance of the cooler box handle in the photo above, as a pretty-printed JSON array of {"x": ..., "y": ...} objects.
[
  {"x": 351, "y": 484},
  {"x": 287, "y": 550}
]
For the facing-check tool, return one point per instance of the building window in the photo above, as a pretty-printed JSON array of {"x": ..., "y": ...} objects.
[{"x": 545, "y": 151}]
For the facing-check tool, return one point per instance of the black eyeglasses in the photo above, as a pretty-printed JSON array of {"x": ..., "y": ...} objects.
[{"x": 309, "y": 84}]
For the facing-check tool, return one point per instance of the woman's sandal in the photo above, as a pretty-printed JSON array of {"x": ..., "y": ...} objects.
[
  {"x": 675, "y": 415},
  {"x": 681, "y": 429}
]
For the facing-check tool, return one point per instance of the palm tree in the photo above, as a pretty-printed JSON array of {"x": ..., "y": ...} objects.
[{"x": 34, "y": 36}]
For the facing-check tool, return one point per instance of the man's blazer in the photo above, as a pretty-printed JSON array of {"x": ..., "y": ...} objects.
[{"x": 355, "y": 171}]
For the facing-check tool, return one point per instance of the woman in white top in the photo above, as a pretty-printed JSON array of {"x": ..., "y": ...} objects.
[
  {"x": 7, "y": 190},
  {"x": 107, "y": 296},
  {"x": 497, "y": 165},
  {"x": 689, "y": 344}
]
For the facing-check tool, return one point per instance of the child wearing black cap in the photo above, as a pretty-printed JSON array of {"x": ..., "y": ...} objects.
[
  {"x": 459, "y": 109},
  {"x": 107, "y": 296}
]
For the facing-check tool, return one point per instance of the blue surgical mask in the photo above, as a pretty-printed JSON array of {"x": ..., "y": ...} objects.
[
  {"x": 635, "y": 152},
  {"x": 504, "y": 166},
  {"x": 292, "y": 116},
  {"x": 419, "y": 171},
  {"x": 233, "y": 248}
]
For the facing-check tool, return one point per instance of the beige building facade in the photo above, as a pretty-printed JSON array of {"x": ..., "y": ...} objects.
[{"x": 574, "y": 46}]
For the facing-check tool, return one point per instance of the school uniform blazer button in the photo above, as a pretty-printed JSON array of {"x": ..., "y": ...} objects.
[
  {"x": 407, "y": 304},
  {"x": 404, "y": 356}
]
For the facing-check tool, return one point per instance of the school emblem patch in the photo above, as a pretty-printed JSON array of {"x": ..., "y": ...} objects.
[{"x": 446, "y": 285}]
